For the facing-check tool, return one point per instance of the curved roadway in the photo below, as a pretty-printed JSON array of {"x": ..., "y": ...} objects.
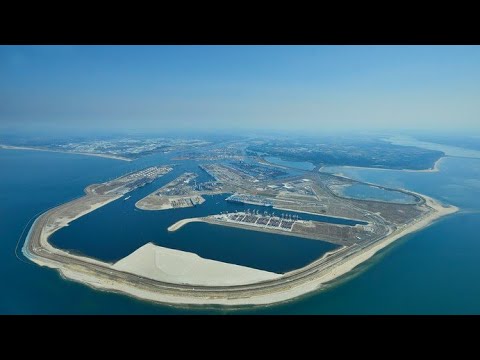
[{"x": 34, "y": 249}]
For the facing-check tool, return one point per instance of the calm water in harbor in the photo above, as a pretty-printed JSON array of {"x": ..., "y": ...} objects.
[
  {"x": 435, "y": 270},
  {"x": 118, "y": 229},
  {"x": 367, "y": 192}
]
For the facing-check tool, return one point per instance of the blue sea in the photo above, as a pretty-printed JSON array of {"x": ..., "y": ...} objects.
[{"x": 433, "y": 271}]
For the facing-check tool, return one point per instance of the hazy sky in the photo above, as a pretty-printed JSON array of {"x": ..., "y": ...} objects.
[{"x": 309, "y": 88}]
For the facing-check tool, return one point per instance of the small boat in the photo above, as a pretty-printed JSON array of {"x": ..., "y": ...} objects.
[{"x": 128, "y": 197}]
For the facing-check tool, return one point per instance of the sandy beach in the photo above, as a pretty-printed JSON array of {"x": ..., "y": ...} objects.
[
  {"x": 367, "y": 253},
  {"x": 164, "y": 273},
  {"x": 434, "y": 169},
  {"x": 115, "y": 157},
  {"x": 343, "y": 267}
]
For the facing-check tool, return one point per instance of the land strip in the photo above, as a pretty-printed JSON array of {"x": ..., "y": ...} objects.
[{"x": 104, "y": 275}]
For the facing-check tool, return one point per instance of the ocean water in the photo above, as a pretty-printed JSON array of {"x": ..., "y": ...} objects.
[{"x": 433, "y": 271}]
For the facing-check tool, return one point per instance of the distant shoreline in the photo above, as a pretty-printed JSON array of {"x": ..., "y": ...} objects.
[
  {"x": 115, "y": 157},
  {"x": 102, "y": 275},
  {"x": 434, "y": 169}
]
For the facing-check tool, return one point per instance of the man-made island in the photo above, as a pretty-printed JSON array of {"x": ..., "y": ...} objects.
[
  {"x": 360, "y": 228},
  {"x": 127, "y": 149}
]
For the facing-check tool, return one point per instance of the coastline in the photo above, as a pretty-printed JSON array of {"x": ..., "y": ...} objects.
[
  {"x": 291, "y": 293},
  {"x": 448, "y": 150},
  {"x": 107, "y": 156},
  {"x": 434, "y": 169},
  {"x": 362, "y": 256},
  {"x": 102, "y": 275}
]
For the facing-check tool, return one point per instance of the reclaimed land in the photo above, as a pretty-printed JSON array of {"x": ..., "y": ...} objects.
[{"x": 290, "y": 285}]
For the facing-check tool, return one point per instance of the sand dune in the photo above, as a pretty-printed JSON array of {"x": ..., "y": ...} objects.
[{"x": 180, "y": 267}]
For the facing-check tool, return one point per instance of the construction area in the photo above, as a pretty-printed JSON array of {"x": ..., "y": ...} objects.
[
  {"x": 132, "y": 181},
  {"x": 178, "y": 193}
]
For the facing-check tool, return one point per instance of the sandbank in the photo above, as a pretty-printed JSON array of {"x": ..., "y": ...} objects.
[
  {"x": 434, "y": 169},
  {"x": 108, "y": 156}
]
